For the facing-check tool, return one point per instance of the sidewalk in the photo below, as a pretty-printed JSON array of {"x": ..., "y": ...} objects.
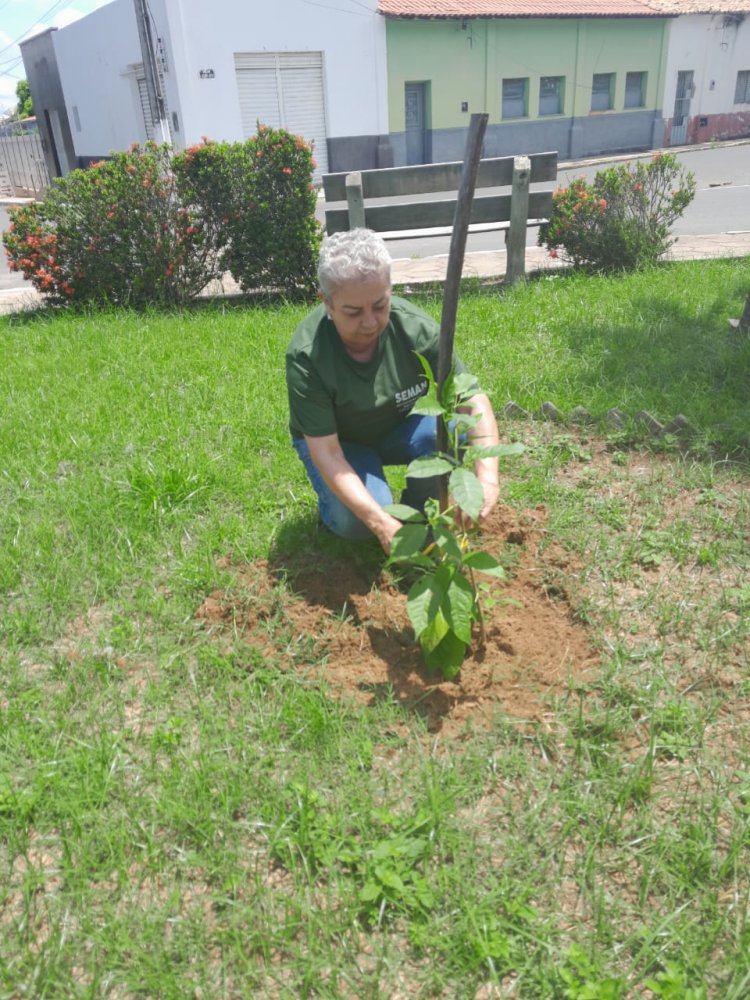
[
  {"x": 491, "y": 263},
  {"x": 487, "y": 264}
]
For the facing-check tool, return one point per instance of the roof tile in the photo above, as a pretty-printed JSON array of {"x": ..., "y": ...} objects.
[
  {"x": 700, "y": 6},
  {"x": 520, "y": 8}
]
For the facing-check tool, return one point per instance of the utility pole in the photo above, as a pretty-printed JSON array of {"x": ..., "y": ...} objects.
[{"x": 154, "y": 87}]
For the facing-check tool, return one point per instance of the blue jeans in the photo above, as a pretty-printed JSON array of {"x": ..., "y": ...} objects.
[{"x": 414, "y": 437}]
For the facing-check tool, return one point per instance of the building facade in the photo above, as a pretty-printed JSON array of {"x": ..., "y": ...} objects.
[
  {"x": 375, "y": 83},
  {"x": 707, "y": 79},
  {"x": 582, "y": 85},
  {"x": 318, "y": 71}
]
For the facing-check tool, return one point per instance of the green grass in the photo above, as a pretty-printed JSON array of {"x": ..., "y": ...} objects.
[{"x": 182, "y": 814}]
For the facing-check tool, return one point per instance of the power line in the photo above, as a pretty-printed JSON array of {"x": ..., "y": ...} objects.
[{"x": 37, "y": 20}]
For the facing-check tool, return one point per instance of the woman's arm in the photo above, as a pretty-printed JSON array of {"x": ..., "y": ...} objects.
[
  {"x": 340, "y": 477},
  {"x": 485, "y": 432}
]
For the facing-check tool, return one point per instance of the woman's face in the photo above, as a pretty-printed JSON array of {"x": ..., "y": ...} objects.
[{"x": 360, "y": 310}]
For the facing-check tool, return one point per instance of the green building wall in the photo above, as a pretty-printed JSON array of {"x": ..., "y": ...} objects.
[{"x": 463, "y": 64}]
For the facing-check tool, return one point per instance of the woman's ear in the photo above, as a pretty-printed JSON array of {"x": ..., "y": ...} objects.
[{"x": 325, "y": 302}]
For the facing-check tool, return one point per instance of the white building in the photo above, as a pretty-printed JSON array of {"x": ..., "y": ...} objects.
[
  {"x": 707, "y": 80},
  {"x": 317, "y": 70}
]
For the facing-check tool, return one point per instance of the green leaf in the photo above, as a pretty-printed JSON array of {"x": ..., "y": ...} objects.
[
  {"x": 459, "y": 607},
  {"x": 424, "y": 468},
  {"x": 428, "y": 406},
  {"x": 495, "y": 450},
  {"x": 423, "y": 602},
  {"x": 427, "y": 369},
  {"x": 463, "y": 422},
  {"x": 369, "y": 892},
  {"x": 433, "y": 635},
  {"x": 390, "y": 878},
  {"x": 466, "y": 386},
  {"x": 467, "y": 491},
  {"x": 408, "y": 540},
  {"x": 447, "y": 656},
  {"x": 484, "y": 563},
  {"x": 448, "y": 394},
  {"x": 422, "y": 561},
  {"x": 403, "y": 512},
  {"x": 445, "y": 539}
]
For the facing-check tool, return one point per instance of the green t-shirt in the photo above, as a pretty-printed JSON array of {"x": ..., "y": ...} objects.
[{"x": 331, "y": 393}]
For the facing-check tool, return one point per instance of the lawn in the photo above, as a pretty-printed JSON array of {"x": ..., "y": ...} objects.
[{"x": 199, "y": 796}]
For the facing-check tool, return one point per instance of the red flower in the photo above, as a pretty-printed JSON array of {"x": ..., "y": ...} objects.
[
  {"x": 553, "y": 253},
  {"x": 287, "y": 171}
]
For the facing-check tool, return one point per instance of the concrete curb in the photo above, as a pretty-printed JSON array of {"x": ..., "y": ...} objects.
[{"x": 482, "y": 265}]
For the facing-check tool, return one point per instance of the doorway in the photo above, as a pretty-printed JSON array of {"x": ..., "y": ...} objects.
[
  {"x": 681, "y": 116},
  {"x": 415, "y": 107}
]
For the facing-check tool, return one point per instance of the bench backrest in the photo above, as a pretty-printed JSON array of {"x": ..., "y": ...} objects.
[{"x": 436, "y": 178}]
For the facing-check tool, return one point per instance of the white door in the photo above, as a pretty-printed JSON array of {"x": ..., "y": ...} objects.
[
  {"x": 284, "y": 90},
  {"x": 681, "y": 117}
]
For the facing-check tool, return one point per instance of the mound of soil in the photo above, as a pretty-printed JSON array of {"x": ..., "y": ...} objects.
[{"x": 311, "y": 608}]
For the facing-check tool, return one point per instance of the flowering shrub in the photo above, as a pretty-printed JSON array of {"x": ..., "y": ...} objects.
[
  {"x": 622, "y": 219},
  {"x": 119, "y": 232},
  {"x": 261, "y": 193}
]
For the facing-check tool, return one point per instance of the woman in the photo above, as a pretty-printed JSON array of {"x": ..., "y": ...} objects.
[{"x": 353, "y": 377}]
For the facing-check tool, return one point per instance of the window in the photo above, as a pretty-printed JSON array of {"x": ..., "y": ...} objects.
[
  {"x": 551, "y": 95},
  {"x": 515, "y": 92},
  {"x": 635, "y": 90},
  {"x": 602, "y": 90},
  {"x": 742, "y": 93}
]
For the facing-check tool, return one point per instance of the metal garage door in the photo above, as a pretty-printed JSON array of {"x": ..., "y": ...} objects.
[{"x": 284, "y": 90}]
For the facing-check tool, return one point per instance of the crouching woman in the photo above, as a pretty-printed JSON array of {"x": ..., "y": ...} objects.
[{"x": 353, "y": 377}]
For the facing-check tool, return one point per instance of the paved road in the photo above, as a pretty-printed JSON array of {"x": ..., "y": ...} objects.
[{"x": 721, "y": 203}]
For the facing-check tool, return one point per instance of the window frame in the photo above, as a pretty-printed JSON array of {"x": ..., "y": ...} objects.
[
  {"x": 560, "y": 94},
  {"x": 642, "y": 82},
  {"x": 743, "y": 76},
  {"x": 524, "y": 81},
  {"x": 610, "y": 77}
]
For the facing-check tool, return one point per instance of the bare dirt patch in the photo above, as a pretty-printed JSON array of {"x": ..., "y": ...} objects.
[{"x": 310, "y": 608}]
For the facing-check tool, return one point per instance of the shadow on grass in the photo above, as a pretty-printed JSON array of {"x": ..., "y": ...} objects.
[
  {"x": 321, "y": 568},
  {"x": 221, "y": 303}
]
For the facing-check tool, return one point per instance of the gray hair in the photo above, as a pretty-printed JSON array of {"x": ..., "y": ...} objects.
[{"x": 352, "y": 256}]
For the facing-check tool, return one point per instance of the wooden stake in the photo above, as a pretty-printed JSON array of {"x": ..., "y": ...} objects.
[{"x": 461, "y": 220}]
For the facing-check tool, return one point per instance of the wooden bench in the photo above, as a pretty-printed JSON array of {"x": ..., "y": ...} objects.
[{"x": 370, "y": 198}]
